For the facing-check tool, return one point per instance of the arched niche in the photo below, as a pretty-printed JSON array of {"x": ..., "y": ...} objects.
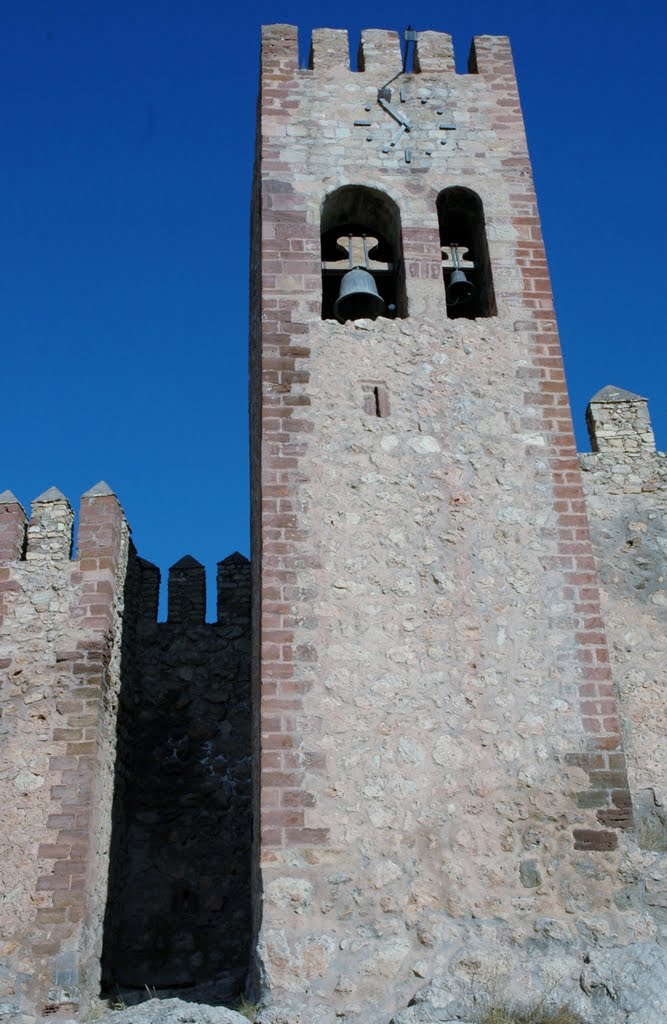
[
  {"x": 361, "y": 226},
  {"x": 463, "y": 240}
]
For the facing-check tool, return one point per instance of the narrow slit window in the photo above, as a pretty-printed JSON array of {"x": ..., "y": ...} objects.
[{"x": 376, "y": 400}]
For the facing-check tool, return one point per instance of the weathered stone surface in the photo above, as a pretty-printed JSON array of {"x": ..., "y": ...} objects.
[
  {"x": 626, "y": 497},
  {"x": 76, "y": 644},
  {"x": 61, "y": 625},
  {"x": 618, "y": 422},
  {"x": 625, "y": 985},
  {"x": 8, "y": 498},
  {"x": 98, "y": 490},
  {"x": 172, "y": 1011}
]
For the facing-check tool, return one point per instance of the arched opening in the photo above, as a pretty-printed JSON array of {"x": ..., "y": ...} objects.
[
  {"x": 361, "y": 231},
  {"x": 465, "y": 255}
]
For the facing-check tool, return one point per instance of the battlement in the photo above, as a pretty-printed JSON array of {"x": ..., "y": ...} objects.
[
  {"x": 619, "y": 423},
  {"x": 47, "y": 536},
  {"x": 38, "y": 550},
  {"x": 79, "y": 638},
  {"x": 13, "y": 521},
  {"x": 46, "y": 539},
  {"x": 380, "y": 52},
  {"x": 186, "y": 590},
  {"x": 623, "y": 460}
]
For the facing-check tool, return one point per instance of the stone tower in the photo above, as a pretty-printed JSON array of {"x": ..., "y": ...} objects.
[
  {"x": 442, "y": 761},
  {"x": 442, "y": 589}
]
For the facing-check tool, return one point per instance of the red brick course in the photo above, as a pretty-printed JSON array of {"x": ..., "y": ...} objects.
[{"x": 547, "y": 392}]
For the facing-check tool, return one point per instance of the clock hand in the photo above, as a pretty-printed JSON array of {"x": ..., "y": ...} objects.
[
  {"x": 396, "y": 114},
  {"x": 390, "y": 145}
]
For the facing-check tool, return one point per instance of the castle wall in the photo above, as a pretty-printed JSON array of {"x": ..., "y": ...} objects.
[
  {"x": 439, "y": 745},
  {"x": 439, "y": 733},
  {"x": 125, "y": 765},
  {"x": 625, "y": 482},
  {"x": 60, "y": 642},
  {"x": 179, "y": 908}
]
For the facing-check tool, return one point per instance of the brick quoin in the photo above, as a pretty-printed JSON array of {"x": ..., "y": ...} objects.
[
  {"x": 66, "y": 865},
  {"x": 600, "y": 719},
  {"x": 282, "y": 363}
]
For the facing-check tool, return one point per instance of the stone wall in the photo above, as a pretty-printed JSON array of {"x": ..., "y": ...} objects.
[
  {"x": 179, "y": 909},
  {"x": 625, "y": 481},
  {"x": 125, "y": 765},
  {"x": 60, "y": 651}
]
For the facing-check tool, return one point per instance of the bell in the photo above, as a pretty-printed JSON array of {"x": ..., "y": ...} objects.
[
  {"x": 358, "y": 297},
  {"x": 460, "y": 289}
]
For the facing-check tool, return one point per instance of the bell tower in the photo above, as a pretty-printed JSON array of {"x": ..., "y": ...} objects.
[{"x": 438, "y": 742}]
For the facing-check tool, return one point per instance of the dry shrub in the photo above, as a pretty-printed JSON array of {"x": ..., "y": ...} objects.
[{"x": 537, "y": 1015}]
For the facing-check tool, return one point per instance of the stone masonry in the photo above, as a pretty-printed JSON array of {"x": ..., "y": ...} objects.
[
  {"x": 625, "y": 482},
  {"x": 443, "y": 731},
  {"x": 60, "y": 646},
  {"x": 442, "y": 752},
  {"x": 125, "y": 765},
  {"x": 178, "y": 912}
]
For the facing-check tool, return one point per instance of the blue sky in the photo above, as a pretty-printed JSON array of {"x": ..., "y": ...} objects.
[{"x": 125, "y": 166}]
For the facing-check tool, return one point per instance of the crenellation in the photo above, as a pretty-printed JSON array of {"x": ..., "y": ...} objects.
[
  {"x": 187, "y": 591},
  {"x": 149, "y": 590},
  {"x": 60, "y": 625},
  {"x": 233, "y": 586},
  {"x": 79, "y": 640},
  {"x": 380, "y": 53},
  {"x": 184, "y": 781},
  {"x": 100, "y": 533},
  {"x": 434, "y": 54},
  {"x": 491, "y": 57},
  {"x": 618, "y": 422},
  {"x": 280, "y": 49},
  {"x": 625, "y": 482},
  {"x": 329, "y": 50},
  {"x": 13, "y": 525},
  {"x": 50, "y": 527}
]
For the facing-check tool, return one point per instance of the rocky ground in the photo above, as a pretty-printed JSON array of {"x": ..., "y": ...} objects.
[
  {"x": 172, "y": 1011},
  {"x": 615, "y": 985}
]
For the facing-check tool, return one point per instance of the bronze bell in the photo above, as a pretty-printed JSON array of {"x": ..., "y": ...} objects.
[
  {"x": 358, "y": 297},
  {"x": 459, "y": 289}
]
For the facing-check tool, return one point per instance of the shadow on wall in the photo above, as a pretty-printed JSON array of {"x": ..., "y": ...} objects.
[{"x": 178, "y": 909}]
